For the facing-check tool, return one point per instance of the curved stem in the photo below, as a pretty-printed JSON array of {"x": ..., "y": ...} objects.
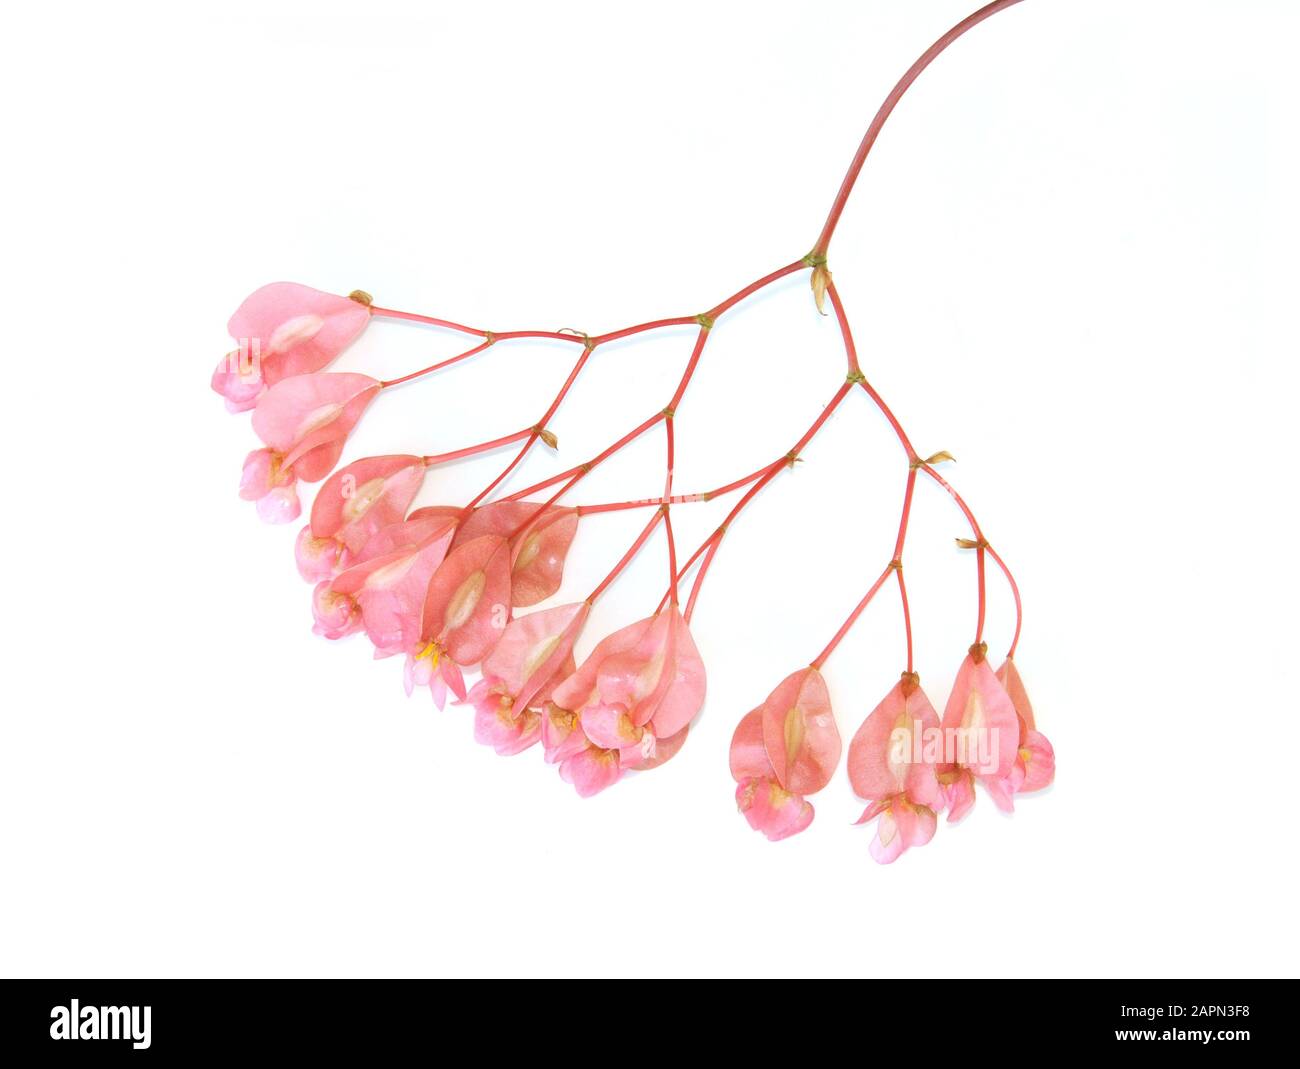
[{"x": 891, "y": 101}]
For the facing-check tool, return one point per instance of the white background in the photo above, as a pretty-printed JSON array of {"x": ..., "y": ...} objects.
[{"x": 1071, "y": 261}]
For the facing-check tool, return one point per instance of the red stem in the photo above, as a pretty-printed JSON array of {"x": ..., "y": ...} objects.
[
  {"x": 469, "y": 451},
  {"x": 627, "y": 557},
  {"x": 895, "y": 94}
]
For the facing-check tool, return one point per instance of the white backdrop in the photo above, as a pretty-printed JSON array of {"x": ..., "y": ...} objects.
[{"x": 1071, "y": 261}]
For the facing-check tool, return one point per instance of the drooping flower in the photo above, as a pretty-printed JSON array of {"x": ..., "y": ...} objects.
[
  {"x": 535, "y": 652},
  {"x": 537, "y": 551},
  {"x": 465, "y": 610},
  {"x": 1035, "y": 765},
  {"x": 628, "y": 706},
  {"x": 265, "y": 480},
  {"x": 388, "y": 585},
  {"x": 283, "y": 330},
  {"x": 892, "y": 765},
  {"x": 782, "y": 751},
  {"x": 981, "y": 733},
  {"x": 354, "y": 504},
  {"x": 304, "y": 422}
]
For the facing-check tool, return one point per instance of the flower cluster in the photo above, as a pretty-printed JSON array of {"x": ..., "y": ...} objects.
[
  {"x": 444, "y": 586},
  {"x": 906, "y": 763}
]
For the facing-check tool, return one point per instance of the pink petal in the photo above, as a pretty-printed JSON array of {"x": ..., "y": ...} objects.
[
  {"x": 291, "y": 329},
  {"x": 281, "y": 505},
  {"x": 893, "y": 751},
  {"x": 748, "y": 754},
  {"x": 1039, "y": 760},
  {"x": 468, "y": 603},
  {"x": 664, "y": 750},
  {"x": 580, "y": 688},
  {"x": 336, "y": 615},
  {"x": 308, "y": 417},
  {"x": 561, "y": 735},
  {"x": 980, "y": 718},
  {"x": 958, "y": 794},
  {"x": 799, "y": 732},
  {"x": 538, "y": 551},
  {"x": 1010, "y": 680},
  {"x": 317, "y": 558},
  {"x": 609, "y": 727},
  {"x": 534, "y": 648},
  {"x": 591, "y": 770},
  {"x": 364, "y": 497},
  {"x": 771, "y": 809}
]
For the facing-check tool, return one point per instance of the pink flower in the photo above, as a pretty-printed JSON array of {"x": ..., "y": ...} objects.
[
  {"x": 304, "y": 422},
  {"x": 628, "y": 706},
  {"x": 355, "y": 503},
  {"x": 1035, "y": 765},
  {"x": 429, "y": 668},
  {"x": 785, "y": 749},
  {"x": 537, "y": 552},
  {"x": 265, "y": 480},
  {"x": 283, "y": 330},
  {"x": 336, "y": 615},
  {"x": 981, "y": 732},
  {"x": 467, "y": 606},
  {"x": 536, "y": 650},
  {"x": 390, "y": 581},
  {"x": 892, "y": 764}
]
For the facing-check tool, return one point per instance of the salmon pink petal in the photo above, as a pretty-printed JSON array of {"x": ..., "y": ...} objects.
[
  {"x": 981, "y": 720},
  {"x": 410, "y": 534},
  {"x": 534, "y": 648},
  {"x": 391, "y": 590},
  {"x": 262, "y": 473},
  {"x": 580, "y": 688},
  {"x": 894, "y": 750},
  {"x": 450, "y": 673},
  {"x": 1009, "y": 677},
  {"x": 888, "y": 845},
  {"x": 748, "y": 754},
  {"x": 1003, "y": 791},
  {"x": 1039, "y": 761},
  {"x": 591, "y": 770},
  {"x": 308, "y": 417},
  {"x": 537, "y": 568},
  {"x": 542, "y": 698},
  {"x": 772, "y": 810},
  {"x": 681, "y": 692},
  {"x": 799, "y": 732},
  {"x": 468, "y": 603},
  {"x": 364, "y": 497},
  {"x": 660, "y": 752}
]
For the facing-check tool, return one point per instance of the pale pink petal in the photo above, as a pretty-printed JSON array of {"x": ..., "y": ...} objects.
[
  {"x": 336, "y": 615},
  {"x": 799, "y": 732},
  {"x": 317, "y": 558},
  {"x": 591, "y": 770},
  {"x": 561, "y": 735},
  {"x": 1039, "y": 762},
  {"x": 769, "y": 808},
  {"x": 958, "y": 794},
  {"x": 281, "y": 505},
  {"x": 538, "y": 553},
  {"x": 609, "y": 727}
]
